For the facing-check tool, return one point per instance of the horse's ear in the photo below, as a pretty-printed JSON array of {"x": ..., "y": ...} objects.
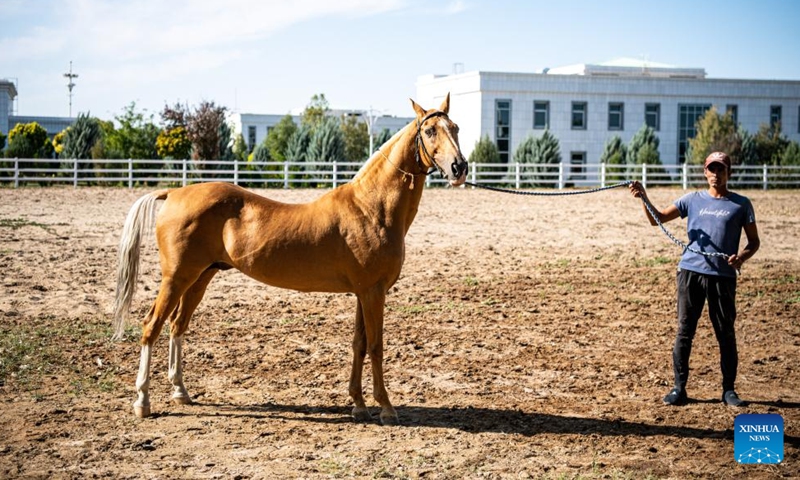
[
  {"x": 445, "y": 108},
  {"x": 420, "y": 111}
]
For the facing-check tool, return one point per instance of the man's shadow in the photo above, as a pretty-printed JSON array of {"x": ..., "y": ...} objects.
[{"x": 479, "y": 420}]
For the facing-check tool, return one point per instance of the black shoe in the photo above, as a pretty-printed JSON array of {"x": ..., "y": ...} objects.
[
  {"x": 676, "y": 398},
  {"x": 732, "y": 400}
]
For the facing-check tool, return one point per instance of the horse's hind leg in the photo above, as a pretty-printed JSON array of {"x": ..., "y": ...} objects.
[
  {"x": 179, "y": 323},
  {"x": 170, "y": 292},
  {"x": 360, "y": 412}
]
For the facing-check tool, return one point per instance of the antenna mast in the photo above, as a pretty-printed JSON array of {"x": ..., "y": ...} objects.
[{"x": 70, "y": 85}]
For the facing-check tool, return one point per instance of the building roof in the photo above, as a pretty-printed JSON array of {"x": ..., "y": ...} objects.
[{"x": 627, "y": 67}]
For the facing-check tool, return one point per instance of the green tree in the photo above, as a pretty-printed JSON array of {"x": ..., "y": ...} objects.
[
  {"x": 770, "y": 143},
  {"x": 173, "y": 143},
  {"x": 749, "y": 154},
  {"x": 380, "y": 138},
  {"x": 547, "y": 157},
  {"x": 297, "y": 146},
  {"x": 715, "y": 133},
  {"x": 58, "y": 142},
  {"x": 261, "y": 153},
  {"x": 327, "y": 142},
  {"x": 356, "y": 139},
  {"x": 790, "y": 155},
  {"x": 29, "y": 140},
  {"x": 81, "y": 137},
  {"x": 615, "y": 157},
  {"x": 526, "y": 150},
  {"x": 485, "y": 152},
  {"x": 240, "y": 148},
  {"x": 225, "y": 141},
  {"x": 297, "y": 149},
  {"x": 645, "y": 136},
  {"x": 278, "y": 138},
  {"x": 2, "y": 141},
  {"x": 316, "y": 110},
  {"x": 135, "y": 138}
]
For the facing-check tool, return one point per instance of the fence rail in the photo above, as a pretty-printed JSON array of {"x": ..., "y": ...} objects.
[{"x": 130, "y": 173}]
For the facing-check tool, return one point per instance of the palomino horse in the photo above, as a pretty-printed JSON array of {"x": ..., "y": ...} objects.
[{"x": 352, "y": 239}]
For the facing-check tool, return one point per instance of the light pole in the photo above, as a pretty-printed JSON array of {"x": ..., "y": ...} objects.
[
  {"x": 70, "y": 85},
  {"x": 372, "y": 116}
]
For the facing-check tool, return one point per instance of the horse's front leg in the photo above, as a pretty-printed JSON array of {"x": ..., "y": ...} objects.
[
  {"x": 360, "y": 412},
  {"x": 373, "y": 305}
]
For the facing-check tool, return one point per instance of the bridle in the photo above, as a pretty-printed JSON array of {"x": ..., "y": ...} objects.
[{"x": 419, "y": 145}]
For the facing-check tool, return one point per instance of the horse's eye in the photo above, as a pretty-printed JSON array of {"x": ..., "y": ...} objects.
[
  {"x": 455, "y": 128},
  {"x": 430, "y": 131}
]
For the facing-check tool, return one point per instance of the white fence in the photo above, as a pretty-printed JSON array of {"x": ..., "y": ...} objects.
[{"x": 19, "y": 172}]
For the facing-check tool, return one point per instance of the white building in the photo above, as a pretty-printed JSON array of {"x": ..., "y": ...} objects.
[
  {"x": 8, "y": 119},
  {"x": 585, "y": 105}
]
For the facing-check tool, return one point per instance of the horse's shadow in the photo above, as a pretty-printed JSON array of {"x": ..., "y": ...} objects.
[{"x": 478, "y": 420}]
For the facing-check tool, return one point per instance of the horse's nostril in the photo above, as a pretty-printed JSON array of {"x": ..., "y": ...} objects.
[{"x": 458, "y": 168}]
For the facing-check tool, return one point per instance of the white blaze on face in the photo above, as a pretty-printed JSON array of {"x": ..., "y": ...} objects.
[{"x": 446, "y": 129}]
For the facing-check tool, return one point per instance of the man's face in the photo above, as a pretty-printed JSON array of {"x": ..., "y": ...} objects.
[{"x": 716, "y": 175}]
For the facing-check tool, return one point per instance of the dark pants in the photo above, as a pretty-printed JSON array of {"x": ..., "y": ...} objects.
[{"x": 693, "y": 291}]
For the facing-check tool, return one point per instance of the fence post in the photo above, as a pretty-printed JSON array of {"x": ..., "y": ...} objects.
[
  {"x": 16, "y": 172},
  {"x": 602, "y": 174},
  {"x": 235, "y": 171},
  {"x": 516, "y": 174},
  {"x": 286, "y": 174},
  {"x": 184, "y": 166},
  {"x": 130, "y": 173},
  {"x": 335, "y": 173},
  {"x": 474, "y": 173},
  {"x": 561, "y": 176},
  {"x": 644, "y": 175},
  {"x": 685, "y": 176},
  {"x": 75, "y": 174},
  {"x": 765, "y": 175}
]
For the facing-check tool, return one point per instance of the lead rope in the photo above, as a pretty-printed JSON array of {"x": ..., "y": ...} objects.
[{"x": 646, "y": 203}]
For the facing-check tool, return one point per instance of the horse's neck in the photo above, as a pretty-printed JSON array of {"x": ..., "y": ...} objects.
[{"x": 390, "y": 182}]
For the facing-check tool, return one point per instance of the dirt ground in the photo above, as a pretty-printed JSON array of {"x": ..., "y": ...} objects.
[{"x": 528, "y": 337}]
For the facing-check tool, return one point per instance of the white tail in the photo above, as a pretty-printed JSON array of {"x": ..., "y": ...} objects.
[{"x": 140, "y": 220}]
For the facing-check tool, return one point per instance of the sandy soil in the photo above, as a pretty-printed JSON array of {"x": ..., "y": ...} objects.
[{"x": 526, "y": 337}]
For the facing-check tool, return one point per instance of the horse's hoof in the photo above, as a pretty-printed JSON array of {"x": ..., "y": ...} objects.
[
  {"x": 141, "y": 411},
  {"x": 361, "y": 415},
  {"x": 390, "y": 419},
  {"x": 181, "y": 399}
]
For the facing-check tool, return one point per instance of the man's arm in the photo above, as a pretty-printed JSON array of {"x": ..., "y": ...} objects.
[
  {"x": 664, "y": 216},
  {"x": 753, "y": 244}
]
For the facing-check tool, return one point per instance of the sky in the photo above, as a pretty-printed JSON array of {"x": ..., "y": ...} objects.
[{"x": 272, "y": 56}]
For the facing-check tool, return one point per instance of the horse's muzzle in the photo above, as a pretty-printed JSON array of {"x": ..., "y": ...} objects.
[{"x": 459, "y": 168}]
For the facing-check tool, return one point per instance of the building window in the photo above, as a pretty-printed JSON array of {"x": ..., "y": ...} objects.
[
  {"x": 577, "y": 166},
  {"x": 687, "y": 117},
  {"x": 616, "y": 116},
  {"x": 251, "y": 137},
  {"x": 503, "y": 128},
  {"x": 733, "y": 111},
  {"x": 541, "y": 115},
  {"x": 652, "y": 116},
  {"x": 579, "y": 115},
  {"x": 774, "y": 115}
]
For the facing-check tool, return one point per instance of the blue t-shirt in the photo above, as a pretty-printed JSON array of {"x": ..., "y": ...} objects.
[{"x": 714, "y": 225}]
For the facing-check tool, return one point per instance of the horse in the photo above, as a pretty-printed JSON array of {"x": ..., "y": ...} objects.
[{"x": 349, "y": 240}]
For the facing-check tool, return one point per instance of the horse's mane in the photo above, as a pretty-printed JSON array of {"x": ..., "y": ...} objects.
[{"x": 378, "y": 154}]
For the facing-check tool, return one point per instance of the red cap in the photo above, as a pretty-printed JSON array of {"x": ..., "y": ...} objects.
[{"x": 718, "y": 157}]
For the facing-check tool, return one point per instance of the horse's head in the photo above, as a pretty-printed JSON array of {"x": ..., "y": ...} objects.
[{"x": 437, "y": 143}]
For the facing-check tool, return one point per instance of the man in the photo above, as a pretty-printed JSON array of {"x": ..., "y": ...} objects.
[{"x": 716, "y": 218}]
